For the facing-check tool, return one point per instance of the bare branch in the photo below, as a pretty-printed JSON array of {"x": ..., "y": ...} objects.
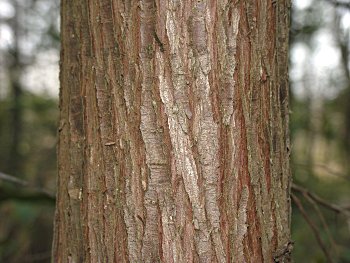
[
  {"x": 33, "y": 193},
  {"x": 12, "y": 179},
  {"x": 319, "y": 200},
  {"x": 313, "y": 228},
  {"x": 323, "y": 220},
  {"x": 339, "y": 3}
]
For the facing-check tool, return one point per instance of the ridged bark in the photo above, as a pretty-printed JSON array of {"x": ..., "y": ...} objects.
[{"x": 173, "y": 137}]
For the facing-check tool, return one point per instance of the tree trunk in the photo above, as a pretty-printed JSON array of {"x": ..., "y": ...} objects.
[
  {"x": 15, "y": 157},
  {"x": 173, "y": 137}
]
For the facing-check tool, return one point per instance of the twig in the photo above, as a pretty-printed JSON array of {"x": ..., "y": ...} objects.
[
  {"x": 36, "y": 192},
  {"x": 319, "y": 200},
  {"x": 12, "y": 179},
  {"x": 323, "y": 220},
  {"x": 313, "y": 227},
  {"x": 339, "y": 3}
]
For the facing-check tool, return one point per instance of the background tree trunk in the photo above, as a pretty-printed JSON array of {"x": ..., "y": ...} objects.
[
  {"x": 15, "y": 156},
  {"x": 173, "y": 137}
]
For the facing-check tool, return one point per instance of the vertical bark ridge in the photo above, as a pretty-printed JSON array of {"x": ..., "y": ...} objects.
[
  {"x": 226, "y": 38},
  {"x": 282, "y": 22},
  {"x": 262, "y": 163},
  {"x": 206, "y": 130},
  {"x": 174, "y": 92},
  {"x": 71, "y": 131},
  {"x": 103, "y": 188},
  {"x": 160, "y": 240},
  {"x": 126, "y": 18}
]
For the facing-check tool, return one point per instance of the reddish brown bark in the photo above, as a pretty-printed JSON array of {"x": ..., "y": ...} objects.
[{"x": 173, "y": 141}]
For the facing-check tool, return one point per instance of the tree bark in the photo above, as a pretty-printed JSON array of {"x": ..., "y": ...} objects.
[{"x": 173, "y": 138}]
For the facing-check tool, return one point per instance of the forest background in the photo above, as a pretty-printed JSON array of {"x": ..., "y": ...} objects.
[{"x": 320, "y": 128}]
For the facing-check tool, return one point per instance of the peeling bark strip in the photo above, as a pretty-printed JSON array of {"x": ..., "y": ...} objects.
[{"x": 175, "y": 143}]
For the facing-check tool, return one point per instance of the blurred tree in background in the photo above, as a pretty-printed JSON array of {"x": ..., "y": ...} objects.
[
  {"x": 320, "y": 128},
  {"x": 29, "y": 46}
]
